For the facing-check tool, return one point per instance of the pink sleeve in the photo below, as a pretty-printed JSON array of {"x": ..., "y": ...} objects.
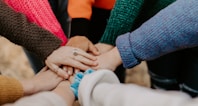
[{"x": 39, "y": 12}]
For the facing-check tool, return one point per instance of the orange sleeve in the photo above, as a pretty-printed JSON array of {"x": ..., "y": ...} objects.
[
  {"x": 10, "y": 90},
  {"x": 80, "y": 8},
  {"x": 105, "y": 4}
]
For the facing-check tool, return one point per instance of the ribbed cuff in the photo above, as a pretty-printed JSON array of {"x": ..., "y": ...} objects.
[
  {"x": 126, "y": 52},
  {"x": 80, "y": 26}
]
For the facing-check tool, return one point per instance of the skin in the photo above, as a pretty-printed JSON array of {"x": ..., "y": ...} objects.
[
  {"x": 109, "y": 60},
  {"x": 64, "y": 56},
  {"x": 64, "y": 91},
  {"x": 41, "y": 82}
]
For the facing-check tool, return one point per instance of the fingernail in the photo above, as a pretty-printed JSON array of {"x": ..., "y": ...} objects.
[
  {"x": 69, "y": 72},
  {"x": 64, "y": 69},
  {"x": 76, "y": 71},
  {"x": 66, "y": 76}
]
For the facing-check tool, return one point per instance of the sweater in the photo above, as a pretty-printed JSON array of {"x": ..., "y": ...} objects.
[
  {"x": 128, "y": 15},
  {"x": 39, "y": 12},
  {"x": 102, "y": 88},
  {"x": 15, "y": 27},
  {"x": 173, "y": 28},
  {"x": 10, "y": 90},
  {"x": 89, "y": 17}
]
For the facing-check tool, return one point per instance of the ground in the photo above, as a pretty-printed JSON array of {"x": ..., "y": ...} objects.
[{"x": 14, "y": 63}]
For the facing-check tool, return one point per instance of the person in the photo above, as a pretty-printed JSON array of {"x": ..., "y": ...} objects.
[
  {"x": 36, "y": 85},
  {"x": 14, "y": 26},
  {"x": 60, "y": 96},
  {"x": 104, "y": 88},
  {"x": 163, "y": 75},
  {"x": 128, "y": 15},
  {"x": 13, "y": 89},
  {"x": 38, "y": 12},
  {"x": 147, "y": 42},
  {"x": 89, "y": 18}
]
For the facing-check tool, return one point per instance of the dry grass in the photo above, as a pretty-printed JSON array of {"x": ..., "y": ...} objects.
[{"x": 13, "y": 61}]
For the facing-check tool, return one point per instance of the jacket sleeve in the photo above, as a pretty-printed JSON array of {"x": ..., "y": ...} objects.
[
  {"x": 11, "y": 90},
  {"x": 15, "y": 27},
  {"x": 121, "y": 20},
  {"x": 173, "y": 28},
  {"x": 102, "y": 88},
  {"x": 80, "y": 12}
]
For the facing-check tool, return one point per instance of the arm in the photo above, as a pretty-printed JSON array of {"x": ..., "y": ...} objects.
[
  {"x": 12, "y": 89},
  {"x": 102, "y": 88},
  {"x": 40, "y": 13},
  {"x": 60, "y": 96},
  {"x": 80, "y": 13},
  {"x": 121, "y": 19},
  {"x": 15, "y": 27},
  {"x": 172, "y": 29}
]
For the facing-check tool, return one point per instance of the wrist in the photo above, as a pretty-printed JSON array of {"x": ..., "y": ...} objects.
[
  {"x": 28, "y": 87},
  {"x": 64, "y": 91},
  {"x": 116, "y": 57}
]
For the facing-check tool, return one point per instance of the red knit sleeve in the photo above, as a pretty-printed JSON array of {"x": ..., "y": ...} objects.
[{"x": 39, "y": 12}]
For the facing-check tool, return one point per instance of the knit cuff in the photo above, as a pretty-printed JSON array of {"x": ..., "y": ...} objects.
[
  {"x": 77, "y": 79},
  {"x": 79, "y": 26},
  {"x": 126, "y": 53},
  {"x": 11, "y": 90}
]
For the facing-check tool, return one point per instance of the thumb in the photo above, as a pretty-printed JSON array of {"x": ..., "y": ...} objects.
[{"x": 93, "y": 49}]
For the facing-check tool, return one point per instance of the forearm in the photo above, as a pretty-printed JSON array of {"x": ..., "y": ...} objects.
[
  {"x": 15, "y": 27},
  {"x": 121, "y": 19},
  {"x": 162, "y": 34},
  {"x": 118, "y": 95}
]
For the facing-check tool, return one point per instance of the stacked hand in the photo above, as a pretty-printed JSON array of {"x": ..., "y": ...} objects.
[{"x": 81, "y": 54}]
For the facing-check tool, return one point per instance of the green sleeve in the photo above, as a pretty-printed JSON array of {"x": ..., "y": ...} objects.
[{"x": 121, "y": 19}]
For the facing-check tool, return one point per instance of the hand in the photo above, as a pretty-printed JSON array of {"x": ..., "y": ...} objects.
[
  {"x": 69, "y": 56},
  {"x": 64, "y": 91},
  {"x": 45, "y": 80},
  {"x": 109, "y": 60},
  {"x": 83, "y": 43},
  {"x": 70, "y": 70},
  {"x": 103, "y": 48}
]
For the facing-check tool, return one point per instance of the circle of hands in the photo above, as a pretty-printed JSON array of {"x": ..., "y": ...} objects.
[{"x": 78, "y": 55}]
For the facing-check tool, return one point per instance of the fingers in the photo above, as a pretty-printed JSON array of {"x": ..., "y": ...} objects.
[
  {"x": 43, "y": 69},
  {"x": 93, "y": 49},
  {"x": 76, "y": 70},
  {"x": 85, "y": 54},
  {"x": 57, "y": 70},
  {"x": 85, "y": 60},
  {"x": 75, "y": 63},
  {"x": 70, "y": 70}
]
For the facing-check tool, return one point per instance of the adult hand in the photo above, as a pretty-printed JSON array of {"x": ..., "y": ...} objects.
[
  {"x": 83, "y": 43},
  {"x": 103, "y": 48},
  {"x": 69, "y": 56},
  {"x": 109, "y": 60},
  {"x": 45, "y": 80}
]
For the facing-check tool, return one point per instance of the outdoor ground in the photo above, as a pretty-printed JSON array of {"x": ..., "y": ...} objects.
[{"x": 14, "y": 63}]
